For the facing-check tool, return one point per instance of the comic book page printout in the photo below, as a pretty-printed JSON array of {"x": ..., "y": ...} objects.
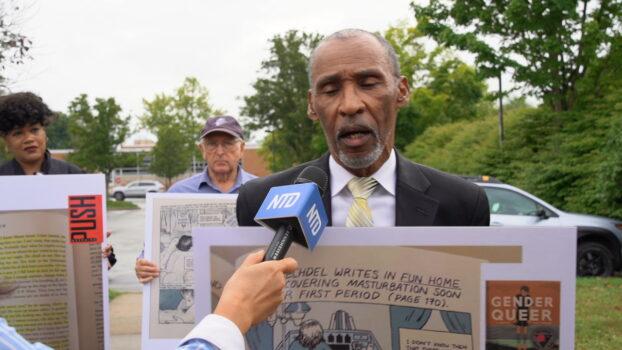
[
  {"x": 53, "y": 280},
  {"x": 168, "y": 301},
  {"x": 396, "y": 288}
]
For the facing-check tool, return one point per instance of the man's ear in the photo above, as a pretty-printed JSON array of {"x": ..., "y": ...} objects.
[
  {"x": 403, "y": 94},
  {"x": 310, "y": 111}
]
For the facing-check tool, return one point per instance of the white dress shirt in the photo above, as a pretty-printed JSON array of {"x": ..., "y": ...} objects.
[
  {"x": 219, "y": 331},
  {"x": 381, "y": 202}
]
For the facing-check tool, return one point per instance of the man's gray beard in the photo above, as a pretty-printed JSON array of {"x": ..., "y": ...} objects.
[{"x": 364, "y": 161}]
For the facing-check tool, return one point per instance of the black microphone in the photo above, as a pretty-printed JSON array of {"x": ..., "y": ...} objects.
[{"x": 296, "y": 212}]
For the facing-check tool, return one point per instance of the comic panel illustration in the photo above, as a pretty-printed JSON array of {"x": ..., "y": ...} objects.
[
  {"x": 327, "y": 325},
  {"x": 176, "y": 306},
  {"x": 372, "y": 298},
  {"x": 176, "y": 221}
]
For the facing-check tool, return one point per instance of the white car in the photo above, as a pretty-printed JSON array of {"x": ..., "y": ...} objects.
[
  {"x": 599, "y": 239},
  {"x": 138, "y": 188}
]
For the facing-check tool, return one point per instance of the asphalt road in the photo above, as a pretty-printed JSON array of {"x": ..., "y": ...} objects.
[{"x": 128, "y": 232}]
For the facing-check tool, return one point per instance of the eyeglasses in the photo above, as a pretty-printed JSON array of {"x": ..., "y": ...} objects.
[{"x": 228, "y": 146}]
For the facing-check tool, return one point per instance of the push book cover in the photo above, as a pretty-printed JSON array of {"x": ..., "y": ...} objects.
[{"x": 522, "y": 315}]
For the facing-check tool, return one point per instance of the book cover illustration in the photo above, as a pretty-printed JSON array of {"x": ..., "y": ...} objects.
[{"x": 522, "y": 315}]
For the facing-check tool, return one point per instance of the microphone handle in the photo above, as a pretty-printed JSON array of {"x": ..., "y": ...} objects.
[{"x": 283, "y": 238}]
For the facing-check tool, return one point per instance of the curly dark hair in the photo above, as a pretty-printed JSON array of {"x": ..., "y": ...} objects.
[{"x": 23, "y": 108}]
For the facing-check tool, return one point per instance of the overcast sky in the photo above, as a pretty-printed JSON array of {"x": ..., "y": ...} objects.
[{"x": 133, "y": 49}]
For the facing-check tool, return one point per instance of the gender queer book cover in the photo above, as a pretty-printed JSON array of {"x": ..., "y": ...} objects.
[{"x": 522, "y": 315}]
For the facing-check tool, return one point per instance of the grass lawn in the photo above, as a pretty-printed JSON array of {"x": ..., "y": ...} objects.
[
  {"x": 599, "y": 314},
  {"x": 120, "y": 205}
]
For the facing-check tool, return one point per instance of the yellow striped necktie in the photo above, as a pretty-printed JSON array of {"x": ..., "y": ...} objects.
[{"x": 359, "y": 214}]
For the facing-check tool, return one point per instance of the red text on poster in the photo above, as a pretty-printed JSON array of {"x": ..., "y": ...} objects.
[{"x": 85, "y": 219}]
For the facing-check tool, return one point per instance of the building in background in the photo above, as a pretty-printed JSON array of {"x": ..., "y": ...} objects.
[{"x": 253, "y": 162}]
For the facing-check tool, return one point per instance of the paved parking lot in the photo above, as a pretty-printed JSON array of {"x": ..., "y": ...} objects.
[{"x": 128, "y": 231}]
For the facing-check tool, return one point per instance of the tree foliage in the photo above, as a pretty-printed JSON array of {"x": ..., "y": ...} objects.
[
  {"x": 133, "y": 160},
  {"x": 411, "y": 51},
  {"x": 279, "y": 104},
  {"x": 454, "y": 92},
  {"x": 96, "y": 132},
  {"x": 575, "y": 165},
  {"x": 170, "y": 155},
  {"x": 571, "y": 165},
  {"x": 58, "y": 133},
  {"x": 443, "y": 88},
  {"x": 547, "y": 45},
  {"x": 185, "y": 110},
  {"x": 14, "y": 46}
]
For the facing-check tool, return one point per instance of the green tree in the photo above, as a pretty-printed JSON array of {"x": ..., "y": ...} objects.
[
  {"x": 14, "y": 46},
  {"x": 454, "y": 92},
  {"x": 96, "y": 132},
  {"x": 600, "y": 95},
  {"x": 548, "y": 45},
  {"x": 170, "y": 156},
  {"x": 443, "y": 88},
  {"x": 575, "y": 165},
  {"x": 186, "y": 110},
  {"x": 279, "y": 104},
  {"x": 410, "y": 49},
  {"x": 412, "y": 56},
  {"x": 58, "y": 133}
]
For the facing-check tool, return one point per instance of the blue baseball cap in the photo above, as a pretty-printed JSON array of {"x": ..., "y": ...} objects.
[{"x": 224, "y": 123}]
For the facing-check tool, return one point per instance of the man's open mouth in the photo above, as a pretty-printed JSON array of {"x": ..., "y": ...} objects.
[{"x": 355, "y": 137}]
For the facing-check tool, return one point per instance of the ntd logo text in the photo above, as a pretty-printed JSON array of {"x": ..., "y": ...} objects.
[
  {"x": 315, "y": 222},
  {"x": 285, "y": 200}
]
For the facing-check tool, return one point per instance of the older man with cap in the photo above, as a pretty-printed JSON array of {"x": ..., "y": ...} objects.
[{"x": 222, "y": 147}]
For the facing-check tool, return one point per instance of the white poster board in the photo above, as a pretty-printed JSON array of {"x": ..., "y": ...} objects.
[
  {"x": 59, "y": 291},
  {"x": 461, "y": 284},
  {"x": 168, "y": 301}
]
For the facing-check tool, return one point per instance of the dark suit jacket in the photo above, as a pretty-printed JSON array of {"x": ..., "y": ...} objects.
[{"x": 424, "y": 196}]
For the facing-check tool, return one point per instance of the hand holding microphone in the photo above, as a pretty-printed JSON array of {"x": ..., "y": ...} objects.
[{"x": 254, "y": 291}]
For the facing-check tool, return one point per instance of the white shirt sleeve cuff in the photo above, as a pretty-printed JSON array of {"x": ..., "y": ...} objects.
[{"x": 218, "y": 330}]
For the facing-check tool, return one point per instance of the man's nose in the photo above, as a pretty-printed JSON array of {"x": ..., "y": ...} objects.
[
  {"x": 220, "y": 149},
  {"x": 351, "y": 103}
]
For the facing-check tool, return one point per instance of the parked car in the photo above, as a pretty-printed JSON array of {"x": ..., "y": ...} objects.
[
  {"x": 138, "y": 188},
  {"x": 599, "y": 245}
]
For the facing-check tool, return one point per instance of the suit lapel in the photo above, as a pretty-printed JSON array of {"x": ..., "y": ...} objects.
[
  {"x": 412, "y": 206},
  {"x": 322, "y": 163}
]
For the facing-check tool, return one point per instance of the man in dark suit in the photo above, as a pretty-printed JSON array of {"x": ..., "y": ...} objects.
[{"x": 356, "y": 91}]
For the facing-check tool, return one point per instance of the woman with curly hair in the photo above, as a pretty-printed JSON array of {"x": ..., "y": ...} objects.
[{"x": 23, "y": 118}]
